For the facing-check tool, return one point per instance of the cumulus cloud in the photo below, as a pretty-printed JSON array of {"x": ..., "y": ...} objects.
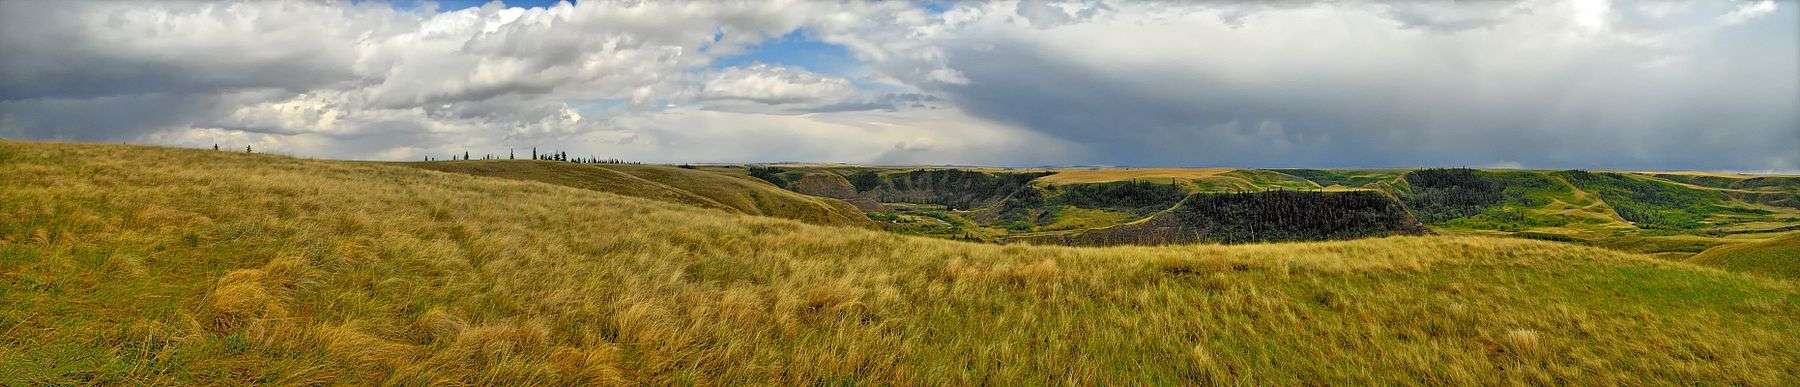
[
  {"x": 1747, "y": 11},
  {"x": 776, "y": 85},
  {"x": 1537, "y": 83},
  {"x": 1550, "y": 84}
]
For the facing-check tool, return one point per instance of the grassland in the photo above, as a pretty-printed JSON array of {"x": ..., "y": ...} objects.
[
  {"x": 1776, "y": 257},
  {"x": 670, "y": 184},
  {"x": 1667, "y": 215},
  {"x": 137, "y": 265}
]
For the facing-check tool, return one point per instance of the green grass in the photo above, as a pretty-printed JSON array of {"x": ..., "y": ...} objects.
[
  {"x": 1075, "y": 218},
  {"x": 1672, "y": 216},
  {"x": 1649, "y": 203},
  {"x": 1776, "y": 257},
  {"x": 1345, "y": 178},
  {"x": 141, "y": 266},
  {"x": 1248, "y": 180}
]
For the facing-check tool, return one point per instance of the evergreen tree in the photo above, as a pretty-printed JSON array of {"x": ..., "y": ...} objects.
[{"x": 246, "y": 149}]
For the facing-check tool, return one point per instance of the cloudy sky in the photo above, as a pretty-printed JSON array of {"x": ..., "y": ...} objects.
[{"x": 1544, "y": 84}]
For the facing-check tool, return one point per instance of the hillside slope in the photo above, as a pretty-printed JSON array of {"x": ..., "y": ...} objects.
[
  {"x": 137, "y": 265},
  {"x": 1267, "y": 216},
  {"x": 669, "y": 184},
  {"x": 1777, "y": 257}
]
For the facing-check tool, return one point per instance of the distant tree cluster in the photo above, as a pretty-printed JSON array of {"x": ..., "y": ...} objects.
[
  {"x": 535, "y": 155},
  {"x": 769, "y": 174},
  {"x": 1649, "y": 203},
  {"x": 952, "y": 188},
  {"x": 1266, "y": 216},
  {"x": 1134, "y": 196},
  {"x": 1442, "y": 194},
  {"x": 864, "y": 180},
  {"x": 1298, "y": 215}
]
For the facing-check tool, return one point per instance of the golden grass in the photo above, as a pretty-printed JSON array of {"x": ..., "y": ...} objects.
[
  {"x": 139, "y": 265},
  {"x": 738, "y": 194}
]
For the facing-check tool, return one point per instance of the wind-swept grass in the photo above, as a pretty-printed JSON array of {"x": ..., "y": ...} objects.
[
  {"x": 137, "y": 265},
  {"x": 670, "y": 184}
]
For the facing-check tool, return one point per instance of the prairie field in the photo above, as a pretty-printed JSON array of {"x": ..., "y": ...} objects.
[{"x": 148, "y": 266}]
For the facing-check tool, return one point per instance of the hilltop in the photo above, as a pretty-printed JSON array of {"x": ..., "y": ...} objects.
[
  {"x": 143, "y": 265},
  {"x": 669, "y": 184}
]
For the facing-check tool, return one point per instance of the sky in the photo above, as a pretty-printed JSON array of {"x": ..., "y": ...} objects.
[{"x": 1675, "y": 85}]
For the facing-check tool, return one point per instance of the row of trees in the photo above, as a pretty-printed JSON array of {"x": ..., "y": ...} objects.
[
  {"x": 510, "y": 155},
  {"x": 548, "y": 156},
  {"x": 1441, "y": 194}
]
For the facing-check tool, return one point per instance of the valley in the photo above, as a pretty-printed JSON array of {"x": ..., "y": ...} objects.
[{"x": 1669, "y": 215}]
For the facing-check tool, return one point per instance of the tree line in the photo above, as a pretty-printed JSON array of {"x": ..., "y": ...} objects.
[
  {"x": 511, "y": 155},
  {"x": 535, "y": 155}
]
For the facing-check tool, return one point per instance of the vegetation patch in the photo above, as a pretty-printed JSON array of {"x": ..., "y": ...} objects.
[
  {"x": 1438, "y": 195},
  {"x": 1777, "y": 257},
  {"x": 1342, "y": 178},
  {"x": 1262, "y": 217},
  {"x": 1137, "y": 197},
  {"x": 1649, "y": 203}
]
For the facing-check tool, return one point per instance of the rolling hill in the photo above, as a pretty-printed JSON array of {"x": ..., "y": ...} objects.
[
  {"x": 1776, "y": 257},
  {"x": 1668, "y": 215},
  {"x": 669, "y": 184},
  {"x": 142, "y": 265}
]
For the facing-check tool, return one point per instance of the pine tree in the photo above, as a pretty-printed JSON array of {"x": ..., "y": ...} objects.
[
  {"x": 534, "y": 153},
  {"x": 246, "y": 149},
  {"x": 215, "y": 146},
  {"x": 509, "y": 153}
]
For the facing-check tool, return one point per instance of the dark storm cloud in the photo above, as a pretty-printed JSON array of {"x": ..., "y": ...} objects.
[{"x": 1720, "y": 99}]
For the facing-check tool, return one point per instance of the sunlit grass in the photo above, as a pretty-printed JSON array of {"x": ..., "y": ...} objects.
[
  {"x": 1778, "y": 257},
  {"x": 137, "y": 265}
]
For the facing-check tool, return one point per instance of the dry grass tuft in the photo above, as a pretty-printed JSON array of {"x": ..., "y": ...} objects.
[{"x": 239, "y": 301}]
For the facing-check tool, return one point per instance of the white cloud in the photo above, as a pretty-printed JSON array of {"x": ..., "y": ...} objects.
[
  {"x": 1747, "y": 11},
  {"x": 774, "y": 85},
  {"x": 1549, "y": 83}
]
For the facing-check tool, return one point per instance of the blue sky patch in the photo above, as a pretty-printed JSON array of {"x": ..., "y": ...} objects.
[{"x": 796, "y": 49}]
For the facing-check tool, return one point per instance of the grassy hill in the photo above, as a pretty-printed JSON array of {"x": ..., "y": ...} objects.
[
  {"x": 1670, "y": 215},
  {"x": 1776, "y": 257},
  {"x": 1268, "y": 216},
  {"x": 139, "y": 265},
  {"x": 669, "y": 184}
]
